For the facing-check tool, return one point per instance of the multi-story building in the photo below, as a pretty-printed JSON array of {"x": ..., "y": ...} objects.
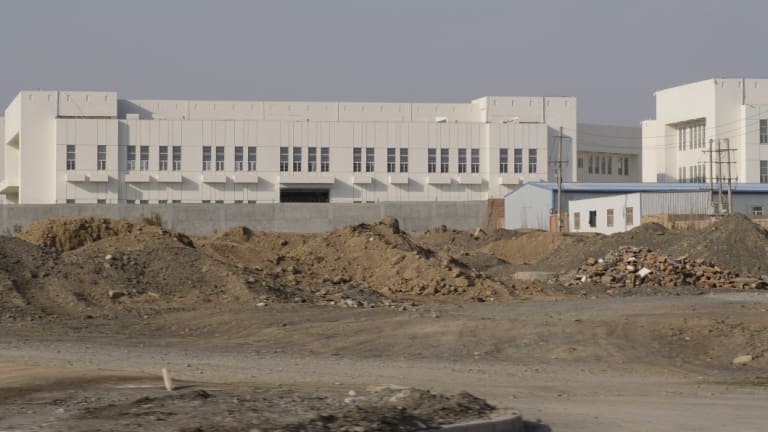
[
  {"x": 608, "y": 154},
  {"x": 715, "y": 117},
  {"x": 91, "y": 147}
]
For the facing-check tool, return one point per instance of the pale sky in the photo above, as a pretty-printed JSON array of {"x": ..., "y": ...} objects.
[{"x": 611, "y": 55}]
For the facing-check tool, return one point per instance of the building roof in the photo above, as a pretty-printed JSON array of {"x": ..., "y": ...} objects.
[{"x": 642, "y": 187}]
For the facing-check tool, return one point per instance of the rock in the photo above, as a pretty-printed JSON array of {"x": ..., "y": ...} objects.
[
  {"x": 477, "y": 233},
  {"x": 461, "y": 282},
  {"x": 261, "y": 304},
  {"x": 108, "y": 257},
  {"x": 742, "y": 359},
  {"x": 591, "y": 261},
  {"x": 116, "y": 294}
]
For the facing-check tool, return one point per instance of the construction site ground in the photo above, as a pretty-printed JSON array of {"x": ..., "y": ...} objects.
[{"x": 369, "y": 328}]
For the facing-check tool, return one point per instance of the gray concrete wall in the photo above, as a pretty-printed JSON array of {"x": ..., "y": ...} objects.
[{"x": 204, "y": 219}]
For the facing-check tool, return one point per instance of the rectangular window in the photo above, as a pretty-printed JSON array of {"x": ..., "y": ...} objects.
[
  {"x": 206, "y": 158},
  {"x": 764, "y": 171},
  {"x": 518, "y": 161},
  {"x": 756, "y": 211},
  {"x": 431, "y": 160},
  {"x": 70, "y": 157},
  {"x": 576, "y": 221},
  {"x": 239, "y": 158},
  {"x": 391, "y": 159},
  {"x": 763, "y": 131},
  {"x": 532, "y": 160},
  {"x": 283, "y": 159},
  {"x": 219, "y": 158},
  {"x": 176, "y": 158},
  {"x": 312, "y": 159},
  {"x": 357, "y": 159},
  {"x": 131, "y": 157},
  {"x": 610, "y": 165},
  {"x": 602, "y": 164},
  {"x": 475, "y": 160},
  {"x": 609, "y": 217},
  {"x": 592, "y": 218},
  {"x": 591, "y": 165},
  {"x": 251, "y": 158},
  {"x": 403, "y": 160},
  {"x": 297, "y": 159},
  {"x": 162, "y": 161},
  {"x": 503, "y": 160},
  {"x": 626, "y": 166},
  {"x": 101, "y": 157},
  {"x": 444, "y": 160},
  {"x": 462, "y": 161},
  {"x": 101, "y": 201},
  {"x": 143, "y": 158},
  {"x": 370, "y": 159},
  {"x": 620, "y": 167},
  {"x": 629, "y": 216},
  {"x": 325, "y": 159},
  {"x": 581, "y": 163}
]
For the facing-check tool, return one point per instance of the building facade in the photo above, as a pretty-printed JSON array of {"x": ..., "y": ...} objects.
[
  {"x": 608, "y": 154},
  {"x": 92, "y": 147},
  {"x": 708, "y": 118}
]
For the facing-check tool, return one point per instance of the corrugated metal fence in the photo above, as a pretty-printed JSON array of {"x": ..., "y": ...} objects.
[{"x": 675, "y": 203}]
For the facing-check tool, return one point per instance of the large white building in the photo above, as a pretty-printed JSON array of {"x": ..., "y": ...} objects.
[
  {"x": 676, "y": 145},
  {"x": 91, "y": 147}
]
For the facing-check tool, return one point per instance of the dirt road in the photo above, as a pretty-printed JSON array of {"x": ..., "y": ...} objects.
[{"x": 630, "y": 364}]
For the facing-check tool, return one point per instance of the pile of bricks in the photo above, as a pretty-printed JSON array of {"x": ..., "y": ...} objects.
[{"x": 630, "y": 266}]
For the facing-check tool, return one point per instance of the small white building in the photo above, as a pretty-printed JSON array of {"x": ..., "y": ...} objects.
[
  {"x": 692, "y": 120},
  {"x": 608, "y": 154},
  {"x": 92, "y": 147}
]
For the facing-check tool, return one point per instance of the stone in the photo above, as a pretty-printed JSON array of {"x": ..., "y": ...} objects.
[
  {"x": 116, "y": 294},
  {"x": 742, "y": 359}
]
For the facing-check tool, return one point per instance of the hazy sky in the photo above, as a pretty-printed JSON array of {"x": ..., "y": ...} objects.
[{"x": 611, "y": 55}]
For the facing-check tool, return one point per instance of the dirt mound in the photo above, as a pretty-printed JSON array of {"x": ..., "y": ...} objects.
[
  {"x": 71, "y": 233},
  {"x": 734, "y": 242},
  {"x": 525, "y": 247}
]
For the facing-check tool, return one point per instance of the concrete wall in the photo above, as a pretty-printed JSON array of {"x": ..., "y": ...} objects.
[
  {"x": 204, "y": 219},
  {"x": 617, "y": 204}
]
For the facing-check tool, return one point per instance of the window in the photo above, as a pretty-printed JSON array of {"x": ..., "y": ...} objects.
[
  {"x": 325, "y": 162},
  {"x": 162, "y": 201},
  {"x": 251, "y": 158},
  {"x": 206, "y": 158},
  {"x": 70, "y": 201},
  {"x": 70, "y": 157},
  {"x": 592, "y": 218},
  {"x": 503, "y": 160},
  {"x": 610, "y": 165},
  {"x": 518, "y": 161},
  {"x": 431, "y": 160},
  {"x": 591, "y": 165},
  {"x": 629, "y": 216},
  {"x": 176, "y": 158},
  {"x": 576, "y": 221},
  {"x": 143, "y": 158},
  {"x": 370, "y": 159},
  {"x": 219, "y": 158},
  {"x": 581, "y": 163},
  {"x": 475, "y": 160},
  {"x": 462, "y": 161},
  {"x": 357, "y": 159},
  {"x": 297, "y": 159},
  {"x": 175, "y": 201},
  {"x": 312, "y": 159},
  {"x": 101, "y": 157},
  {"x": 620, "y": 166},
  {"x": 101, "y": 201},
  {"x": 403, "y": 160},
  {"x": 763, "y": 131},
  {"x": 626, "y": 166},
  {"x": 391, "y": 158},
  {"x": 602, "y": 164},
  {"x": 163, "y": 158},
  {"x": 756, "y": 211},
  {"x": 238, "y": 158},
  {"x": 131, "y": 157},
  {"x": 609, "y": 217},
  {"x": 283, "y": 159},
  {"x": 764, "y": 171},
  {"x": 444, "y": 156},
  {"x": 532, "y": 160}
]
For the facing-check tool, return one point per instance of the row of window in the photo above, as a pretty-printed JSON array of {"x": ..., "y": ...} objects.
[
  {"x": 692, "y": 174},
  {"x": 518, "y": 161},
  {"x": 163, "y": 161},
  {"x": 629, "y": 213},
  {"x": 325, "y": 159},
  {"x": 604, "y": 165},
  {"x": 691, "y": 137}
]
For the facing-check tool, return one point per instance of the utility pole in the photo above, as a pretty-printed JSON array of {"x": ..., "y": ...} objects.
[
  {"x": 560, "y": 182},
  {"x": 730, "y": 194},
  {"x": 711, "y": 175},
  {"x": 719, "y": 179}
]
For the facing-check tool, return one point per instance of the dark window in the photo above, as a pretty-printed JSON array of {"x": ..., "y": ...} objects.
[
  {"x": 312, "y": 159},
  {"x": 297, "y": 159},
  {"x": 251, "y": 158},
  {"x": 219, "y": 158},
  {"x": 532, "y": 156},
  {"x": 431, "y": 160},
  {"x": 593, "y": 218},
  {"x": 131, "y": 157},
  {"x": 176, "y": 158},
  {"x": 518, "y": 161},
  {"x": 206, "y": 158},
  {"x": 283, "y": 159},
  {"x": 391, "y": 160},
  {"x": 238, "y": 159},
  {"x": 143, "y": 158},
  {"x": 370, "y": 159},
  {"x": 325, "y": 159},
  {"x": 444, "y": 156},
  {"x": 503, "y": 160},
  {"x": 357, "y": 159},
  {"x": 475, "y": 155},
  {"x": 101, "y": 157},
  {"x": 163, "y": 158},
  {"x": 403, "y": 160},
  {"x": 462, "y": 161}
]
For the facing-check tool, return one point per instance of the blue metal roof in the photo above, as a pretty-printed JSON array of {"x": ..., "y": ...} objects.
[{"x": 642, "y": 187}]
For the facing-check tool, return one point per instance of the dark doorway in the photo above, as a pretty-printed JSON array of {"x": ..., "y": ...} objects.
[
  {"x": 593, "y": 218},
  {"x": 304, "y": 196}
]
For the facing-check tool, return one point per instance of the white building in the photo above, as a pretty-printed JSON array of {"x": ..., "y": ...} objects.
[
  {"x": 732, "y": 112},
  {"x": 91, "y": 147},
  {"x": 608, "y": 154}
]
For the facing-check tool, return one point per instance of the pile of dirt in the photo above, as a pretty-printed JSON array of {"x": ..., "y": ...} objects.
[
  {"x": 734, "y": 242},
  {"x": 69, "y": 233}
]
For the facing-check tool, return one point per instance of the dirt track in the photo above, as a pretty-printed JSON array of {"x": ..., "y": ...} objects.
[{"x": 258, "y": 334}]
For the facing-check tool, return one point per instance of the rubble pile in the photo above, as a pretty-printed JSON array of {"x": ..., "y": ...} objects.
[{"x": 633, "y": 266}]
